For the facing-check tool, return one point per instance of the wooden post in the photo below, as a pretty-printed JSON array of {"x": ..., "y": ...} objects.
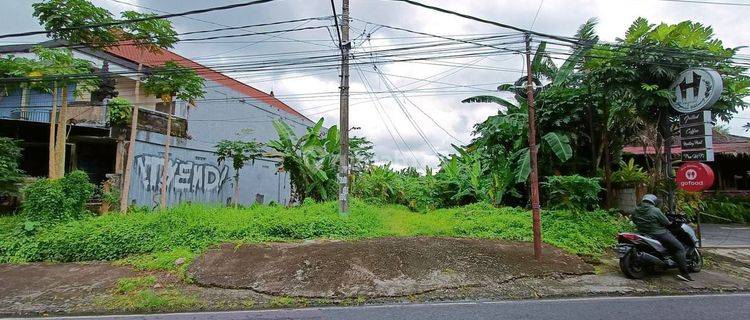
[
  {"x": 62, "y": 128},
  {"x": 165, "y": 167},
  {"x": 125, "y": 180},
  {"x": 52, "y": 168},
  {"x": 125, "y": 190},
  {"x": 535, "y": 207}
]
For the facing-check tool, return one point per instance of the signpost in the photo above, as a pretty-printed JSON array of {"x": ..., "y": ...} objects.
[{"x": 695, "y": 92}]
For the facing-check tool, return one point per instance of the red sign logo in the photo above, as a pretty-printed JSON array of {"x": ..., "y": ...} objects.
[{"x": 695, "y": 176}]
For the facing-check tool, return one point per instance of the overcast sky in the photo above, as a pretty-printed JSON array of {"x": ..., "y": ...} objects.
[{"x": 393, "y": 131}]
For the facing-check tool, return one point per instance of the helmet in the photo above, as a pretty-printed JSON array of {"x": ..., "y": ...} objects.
[{"x": 650, "y": 198}]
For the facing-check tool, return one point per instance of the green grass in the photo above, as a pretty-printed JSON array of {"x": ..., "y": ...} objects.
[
  {"x": 129, "y": 285},
  {"x": 154, "y": 240}
]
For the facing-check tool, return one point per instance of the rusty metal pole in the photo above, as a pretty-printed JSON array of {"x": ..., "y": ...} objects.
[{"x": 535, "y": 207}]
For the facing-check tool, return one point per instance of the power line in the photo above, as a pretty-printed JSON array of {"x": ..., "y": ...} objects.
[
  {"x": 155, "y": 17},
  {"x": 709, "y": 2},
  {"x": 541, "y": 2}
]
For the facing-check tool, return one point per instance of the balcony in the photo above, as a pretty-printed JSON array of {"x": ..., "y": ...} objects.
[{"x": 85, "y": 115}]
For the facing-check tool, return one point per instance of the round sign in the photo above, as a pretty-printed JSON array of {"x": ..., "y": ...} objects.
[
  {"x": 696, "y": 89},
  {"x": 694, "y": 176}
]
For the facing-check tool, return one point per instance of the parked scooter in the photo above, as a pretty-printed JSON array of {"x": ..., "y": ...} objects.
[{"x": 640, "y": 254}]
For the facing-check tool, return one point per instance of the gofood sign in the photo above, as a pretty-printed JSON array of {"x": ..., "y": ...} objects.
[{"x": 696, "y": 89}]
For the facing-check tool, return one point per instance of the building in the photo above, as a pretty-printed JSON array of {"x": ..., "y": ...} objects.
[
  {"x": 731, "y": 166},
  {"x": 98, "y": 148}
]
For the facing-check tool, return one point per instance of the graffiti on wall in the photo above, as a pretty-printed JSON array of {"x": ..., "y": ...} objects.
[{"x": 183, "y": 175}]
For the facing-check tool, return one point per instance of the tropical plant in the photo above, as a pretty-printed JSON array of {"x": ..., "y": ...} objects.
[
  {"x": 72, "y": 20},
  {"x": 119, "y": 111},
  {"x": 168, "y": 82},
  {"x": 240, "y": 152},
  {"x": 360, "y": 154},
  {"x": 629, "y": 175},
  {"x": 10, "y": 173},
  {"x": 573, "y": 192},
  {"x": 54, "y": 200},
  {"x": 311, "y": 160},
  {"x": 65, "y": 70}
]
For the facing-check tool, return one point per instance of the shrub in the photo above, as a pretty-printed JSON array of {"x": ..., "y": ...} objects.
[
  {"x": 629, "y": 175},
  {"x": 120, "y": 111},
  {"x": 10, "y": 174},
  {"x": 163, "y": 236},
  {"x": 721, "y": 208},
  {"x": 572, "y": 192},
  {"x": 64, "y": 199}
]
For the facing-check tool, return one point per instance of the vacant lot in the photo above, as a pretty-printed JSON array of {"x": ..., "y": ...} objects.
[{"x": 193, "y": 228}]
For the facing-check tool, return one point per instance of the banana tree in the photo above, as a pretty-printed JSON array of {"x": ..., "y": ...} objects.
[{"x": 311, "y": 160}]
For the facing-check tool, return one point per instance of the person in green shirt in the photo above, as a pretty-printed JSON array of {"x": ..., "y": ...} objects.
[{"x": 651, "y": 222}]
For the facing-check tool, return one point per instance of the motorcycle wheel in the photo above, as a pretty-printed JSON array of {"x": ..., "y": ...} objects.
[
  {"x": 695, "y": 260},
  {"x": 631, "y": 267}
]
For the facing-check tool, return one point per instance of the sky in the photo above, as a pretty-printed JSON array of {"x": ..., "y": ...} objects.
[{"x": 411, "y": 110}]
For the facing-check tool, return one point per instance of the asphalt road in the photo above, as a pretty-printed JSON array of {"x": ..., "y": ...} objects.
[
  {"x": 724, "y": 307},
  {"x": 725, "y": 235}
]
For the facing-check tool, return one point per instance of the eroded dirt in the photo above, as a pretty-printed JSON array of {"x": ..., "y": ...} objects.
[
  {"x": 386, "y": 267},
  {"x": 56, "y": 287},
  {"x": 368, "y": 271}
]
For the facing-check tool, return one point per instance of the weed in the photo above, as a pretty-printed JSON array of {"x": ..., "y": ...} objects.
[
  {"x": 148, "y": 300},
  {"x": 128, "y": 285},
  {"x": 282, "y": 302}
]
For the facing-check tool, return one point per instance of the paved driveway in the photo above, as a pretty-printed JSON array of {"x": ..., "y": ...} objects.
[{"x": 725, "y": 235}]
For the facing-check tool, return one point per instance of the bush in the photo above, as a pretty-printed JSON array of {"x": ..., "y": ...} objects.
[
  {"x": 120, "y": 111},
  {"x": 64, "y": 199},
  {"x": 10, "y": 174},
  {"x": 572, "y": 192},
  {"x": 629, "y": 175},
  {"x": 381, "y": 184},
  {"x": 721, "y": 208},
  {"x": 195, "y": 227}
]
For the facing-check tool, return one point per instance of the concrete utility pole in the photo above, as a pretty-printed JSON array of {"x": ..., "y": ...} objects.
[
  {"x": 535, "y": 208},
  {"x": 344, "y": 111}
]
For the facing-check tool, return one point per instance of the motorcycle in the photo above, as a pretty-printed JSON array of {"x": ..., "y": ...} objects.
[{"x": 640, "y": 255}]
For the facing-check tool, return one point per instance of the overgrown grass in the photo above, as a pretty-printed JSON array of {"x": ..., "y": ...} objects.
[{"x": 161, "y": 237}]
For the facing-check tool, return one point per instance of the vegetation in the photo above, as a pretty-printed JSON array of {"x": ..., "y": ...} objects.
[
  {"x": 240, "y": 152},
  {"x": 120, "y": 111},
  {"x": 140, "y": 294},
  {"x": 57, "y": 200},
  {"x": 572, "y": 192},
  {"x": 194, "y": 227},
  {"x": 725, "y": 209},
  {"x": 629, "y": 175},
  {"x": 10, "y": 174}
]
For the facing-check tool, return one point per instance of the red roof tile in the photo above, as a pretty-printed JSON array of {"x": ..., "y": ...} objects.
[{"x": 153, "y": 59}]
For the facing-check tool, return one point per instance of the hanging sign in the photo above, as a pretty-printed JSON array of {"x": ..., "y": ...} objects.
[
  {"x": 706, "y": 155},
  {"x": 700, "y": 130},
  {"x": 696, "y": 89},
  {"x": 695, "y": 118},
  {"x": 694, "y": 176},
  {"x": 704, "y": 142}
]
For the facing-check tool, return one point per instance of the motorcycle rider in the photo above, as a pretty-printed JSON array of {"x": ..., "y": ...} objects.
[{"x": 650, "y": 221}]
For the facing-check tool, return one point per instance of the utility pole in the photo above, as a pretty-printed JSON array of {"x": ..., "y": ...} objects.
[
  {"x": 535, "y": 208},
  {"x": 344, "y": 111}
]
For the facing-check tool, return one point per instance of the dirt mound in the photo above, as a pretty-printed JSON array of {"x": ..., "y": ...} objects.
[
  {"x": 376, "y": 267},
  {"x": 55, "y": 287}
]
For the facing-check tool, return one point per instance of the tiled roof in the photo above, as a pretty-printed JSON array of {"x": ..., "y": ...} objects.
[{"x": 154, "y": 59}]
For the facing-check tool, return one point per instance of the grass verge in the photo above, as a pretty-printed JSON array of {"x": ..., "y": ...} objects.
[{"x": 155, "y": 240}]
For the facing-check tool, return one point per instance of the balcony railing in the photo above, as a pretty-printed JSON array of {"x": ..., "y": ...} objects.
[
  {"x": 97, "y": 116},
  {"x": 79, "y": 114}
]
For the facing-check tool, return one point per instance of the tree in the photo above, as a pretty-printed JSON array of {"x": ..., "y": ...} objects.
[
  {"x": 168, "y": 82},
  {"x": 240, "y": 152},
  {"x": 71, "y": 21},
  {"x": 360, "y": 154},
  {"x": 10, "y": 173},
  {"x": 632, "y": 78},
  {"x": 311, "y": 160},
  {"x": 64, "y": 71}
]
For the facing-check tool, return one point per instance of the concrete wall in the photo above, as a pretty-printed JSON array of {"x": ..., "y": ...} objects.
[{"x": 195, "y": 174}]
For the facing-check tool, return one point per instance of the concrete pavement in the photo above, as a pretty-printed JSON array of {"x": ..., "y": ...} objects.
[
  {"x": 725, "y": 307},
  {"x": 725, "y": 235}
]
